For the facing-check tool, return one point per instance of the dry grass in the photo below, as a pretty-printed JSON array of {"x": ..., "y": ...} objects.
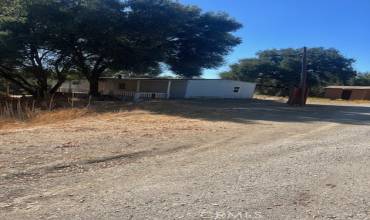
[
  {"x": 114, "y": 110},
  {"x": 106, "y": 111},
  {"x": 316, "y": 100},
  {"x": 59, "y": 115},
  {"x": 16, "y": 109},
  {"x": 44, "y": 117},
  {"x": 23, "y": 112}
]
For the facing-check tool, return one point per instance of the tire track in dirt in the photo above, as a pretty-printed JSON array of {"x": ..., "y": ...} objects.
[{"x": 89, "y": 163}]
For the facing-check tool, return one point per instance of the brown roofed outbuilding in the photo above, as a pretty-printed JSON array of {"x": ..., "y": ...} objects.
[{"x": 348, "y": 92}]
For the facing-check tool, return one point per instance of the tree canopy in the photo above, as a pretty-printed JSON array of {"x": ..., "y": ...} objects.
[
  {"x": 279, "y": 70},
  {"x": 42, "y": 41},
  {"x": 362, "y": 80},
  {"x": 27, "y": 55}
]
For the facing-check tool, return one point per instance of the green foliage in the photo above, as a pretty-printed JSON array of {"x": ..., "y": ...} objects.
[
  {"x": 47, "y": 40},
  {"x": 200, "y": 42},
  {"x": 280, "y": 69},
  {"x": 28, "y": 57},
  {"x": 183, "y": 37},
  {"x": 10, "y": 10},
  {"x": 362, "y": 80}
]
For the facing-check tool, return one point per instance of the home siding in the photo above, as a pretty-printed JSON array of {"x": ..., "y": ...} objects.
[
  {"x": 178, "y": 89},
  {"x": 76, "y": 86},
  {"x": 219, "y": 89},
  {"x": 154, "y": 86},
  {"x": 112, "y": 86}
]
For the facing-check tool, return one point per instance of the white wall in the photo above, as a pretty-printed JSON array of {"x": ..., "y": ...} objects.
[
  {"x": 219, "y": 89},
  {"x": 82, "y": 86}
]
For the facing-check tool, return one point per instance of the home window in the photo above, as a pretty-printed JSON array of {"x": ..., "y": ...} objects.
[
  {"x": 236, "y": 89},
  {"x": 122, "y": 86}
]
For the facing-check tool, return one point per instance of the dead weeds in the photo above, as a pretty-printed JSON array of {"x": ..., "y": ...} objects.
[{"x": 44, "y": 118}]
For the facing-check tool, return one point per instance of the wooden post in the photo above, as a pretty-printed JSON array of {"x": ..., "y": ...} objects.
[
  {"x": 137, "y": 93},
  {"x": 298, "y": 95},
  {"x": 70, "y": 86},
  {"x": 169, "y": 89},
  {"x": 138, "y": 84},
  {"x": 73, "y": 99}
]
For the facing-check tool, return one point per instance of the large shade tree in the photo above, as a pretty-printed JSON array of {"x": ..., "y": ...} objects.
[
  {"x": 281, "y": 69},
  {"x": 98, "y": 37},
  {"x": 139, "y": 35},
  {"x": 28, "y": 58}
]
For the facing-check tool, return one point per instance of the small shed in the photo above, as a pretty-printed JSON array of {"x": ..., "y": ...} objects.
[{"x": 348, "y": 92}]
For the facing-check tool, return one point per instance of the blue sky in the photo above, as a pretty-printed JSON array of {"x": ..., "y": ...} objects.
[{"x": 342, "y": 24}]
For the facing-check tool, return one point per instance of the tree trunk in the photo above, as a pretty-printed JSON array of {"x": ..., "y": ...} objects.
[
  {"x": 22, "y": 84},
  {"x": 94, "y": 86},
  {"x": 42, "y": 90},
  {"x": 56, "y": 87}
]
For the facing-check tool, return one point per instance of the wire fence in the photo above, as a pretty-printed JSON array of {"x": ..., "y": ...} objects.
[
  {"x": 23, "y": 108},
  {"x": 17, "y": 108}
]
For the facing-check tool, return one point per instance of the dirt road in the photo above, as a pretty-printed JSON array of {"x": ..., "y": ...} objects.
[{"x": 192, "y": 160}]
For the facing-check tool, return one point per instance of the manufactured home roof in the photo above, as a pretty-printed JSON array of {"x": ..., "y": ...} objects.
[
  {"x": 348, "y": 87},
  {"x": 154, "y": 79},
  {"x": 160, "y": 78}
]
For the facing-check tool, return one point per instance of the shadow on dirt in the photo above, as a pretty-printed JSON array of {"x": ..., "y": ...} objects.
[{"x": 252, "y": 111}]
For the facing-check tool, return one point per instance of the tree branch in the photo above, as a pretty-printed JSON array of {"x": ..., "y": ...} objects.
[
  {"x": 21, "y": 82},
  {"x": 55, "y": 88}
]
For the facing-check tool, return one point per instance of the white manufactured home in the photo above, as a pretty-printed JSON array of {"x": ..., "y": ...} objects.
[{"x": 168, "y": 88}]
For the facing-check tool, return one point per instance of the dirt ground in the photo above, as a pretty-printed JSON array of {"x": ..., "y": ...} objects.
[{"x": 195, "y": 159}]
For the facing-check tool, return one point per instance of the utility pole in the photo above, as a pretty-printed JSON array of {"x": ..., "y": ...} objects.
[
  {"x": 303, "y": 84},
  {"x": 298, "y": 95}
]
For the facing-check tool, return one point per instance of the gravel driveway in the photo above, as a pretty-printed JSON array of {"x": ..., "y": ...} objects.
[{"x": 198, "y": 160}]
